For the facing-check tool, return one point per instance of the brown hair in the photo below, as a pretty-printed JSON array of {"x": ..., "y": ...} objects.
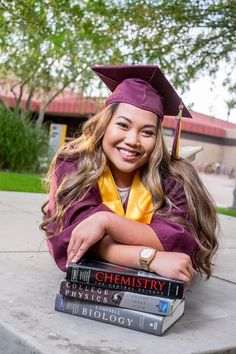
[{"x": 87, "y": 149}]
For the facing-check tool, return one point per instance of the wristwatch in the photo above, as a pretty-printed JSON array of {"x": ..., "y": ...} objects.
[{"x": 146, "y": 255}]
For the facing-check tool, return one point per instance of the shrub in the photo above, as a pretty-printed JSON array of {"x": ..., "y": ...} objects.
[{"x": 22, "y": 145}]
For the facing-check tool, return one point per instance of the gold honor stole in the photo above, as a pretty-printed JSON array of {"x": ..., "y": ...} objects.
[{"x": 140, "y": 206}]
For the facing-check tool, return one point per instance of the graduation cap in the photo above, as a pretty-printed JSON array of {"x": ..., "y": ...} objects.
[{"x": 146, "y": 87}]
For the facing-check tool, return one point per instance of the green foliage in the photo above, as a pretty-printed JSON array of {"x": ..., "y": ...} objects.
[
  {"x": 19, "y": 182},
  {"x": 21, "y": 144},
  {"x": 52, "y": 44}
]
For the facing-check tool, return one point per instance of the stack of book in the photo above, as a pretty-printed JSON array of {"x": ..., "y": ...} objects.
[{"x": 121, "y": 296}]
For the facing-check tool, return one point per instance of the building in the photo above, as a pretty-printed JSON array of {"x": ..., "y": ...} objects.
[
  {"x": 216, "y": 136},
  {"x": 73, "y": 110}
]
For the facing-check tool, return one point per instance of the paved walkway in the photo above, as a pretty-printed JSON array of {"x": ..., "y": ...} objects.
[
  {"x": 30, "y": 281},
  {"x": 220, "y": 187}
]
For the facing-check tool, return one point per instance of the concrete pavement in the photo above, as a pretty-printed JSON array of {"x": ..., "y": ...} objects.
[
  {"x": 30, "y": 281},
  {"x": 220, "y": 187}
]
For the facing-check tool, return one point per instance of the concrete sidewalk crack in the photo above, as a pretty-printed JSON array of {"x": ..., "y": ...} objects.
[{"x": 226, "y": 280}]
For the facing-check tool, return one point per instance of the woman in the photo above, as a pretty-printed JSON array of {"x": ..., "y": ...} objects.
[{"x": 118, "y": 194}]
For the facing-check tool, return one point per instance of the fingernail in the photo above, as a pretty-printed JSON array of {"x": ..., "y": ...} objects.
[
  {"x": 66, "y": 265},
  {"x": 74, "y": 260}
]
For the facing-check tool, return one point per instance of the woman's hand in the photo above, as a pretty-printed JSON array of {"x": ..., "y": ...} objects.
[
  {"x": 173, "y": 265},
  {"x": 84, "y": 235}
]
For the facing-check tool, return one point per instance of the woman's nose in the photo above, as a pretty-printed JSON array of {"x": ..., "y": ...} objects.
[{"x": 132, "y": 138}]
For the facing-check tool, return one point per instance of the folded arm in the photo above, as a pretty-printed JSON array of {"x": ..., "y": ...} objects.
[
  {"x": 173, "y": 265},
  {"x": 120, "y": 229}
]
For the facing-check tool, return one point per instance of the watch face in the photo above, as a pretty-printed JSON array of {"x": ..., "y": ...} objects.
[{"x": 147, "y": 252}]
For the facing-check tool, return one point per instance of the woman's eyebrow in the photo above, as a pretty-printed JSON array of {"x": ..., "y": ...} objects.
[
  {"x": 150, "y": 126},
  {"x": 130, "y": 121}
]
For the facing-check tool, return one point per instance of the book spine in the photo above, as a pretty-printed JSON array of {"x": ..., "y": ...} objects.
[
  {"x": 135, "y": 320},
  {"x": 151, "y": 304},
  {"x": 147, "y": 285}
]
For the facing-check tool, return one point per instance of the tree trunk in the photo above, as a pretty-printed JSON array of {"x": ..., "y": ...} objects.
[
  {"x": 42, "y": 111},
  {"x": 26, "y": 111},
  {"x": 228, "y": 113},
  {"x": 40, "y": 118}
]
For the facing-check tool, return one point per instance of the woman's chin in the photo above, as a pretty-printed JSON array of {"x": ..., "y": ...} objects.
[{"x": 125, "y": 166}]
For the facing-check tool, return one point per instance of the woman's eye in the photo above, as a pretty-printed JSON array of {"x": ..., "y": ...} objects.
[
  {"x": 148, "y": 132},
  {"x": 123, "y": 125}
]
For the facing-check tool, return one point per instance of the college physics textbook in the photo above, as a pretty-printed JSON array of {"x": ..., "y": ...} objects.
[
  {"x": 112, "y": 276},
  {"x": 134, "y": 301},
  {"x": 136, "y": 320}
]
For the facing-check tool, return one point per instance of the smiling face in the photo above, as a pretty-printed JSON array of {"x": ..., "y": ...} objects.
[{"x": 128, "y": 142}]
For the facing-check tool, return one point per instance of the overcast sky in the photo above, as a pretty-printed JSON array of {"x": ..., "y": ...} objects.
[{"x": 208, "y": 98}]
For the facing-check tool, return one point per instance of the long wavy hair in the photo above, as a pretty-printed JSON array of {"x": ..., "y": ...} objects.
[{"x": 87, "y": 149}]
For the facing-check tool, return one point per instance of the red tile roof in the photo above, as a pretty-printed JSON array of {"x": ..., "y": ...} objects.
[
  {"x": 201, "y": 124},
  {"x": 73, "y": 105},
  {"x": 209, "y": 120},
  {"x": 11, "y": 102},
  {"x": 66, "y": 104}
]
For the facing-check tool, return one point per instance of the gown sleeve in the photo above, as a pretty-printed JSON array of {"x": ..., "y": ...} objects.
[
  {"x": 91, "y": 203},
  {"x": 173, "y": 236}
]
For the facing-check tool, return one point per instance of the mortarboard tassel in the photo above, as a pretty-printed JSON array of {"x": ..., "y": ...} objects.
[{"x": 176, "y": 143}]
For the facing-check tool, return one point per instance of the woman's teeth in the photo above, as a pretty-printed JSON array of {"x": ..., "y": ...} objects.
[{"x": 128, "y": 153}]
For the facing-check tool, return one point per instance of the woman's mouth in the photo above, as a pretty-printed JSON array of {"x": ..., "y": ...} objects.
[{"x": 127, "y": 154}]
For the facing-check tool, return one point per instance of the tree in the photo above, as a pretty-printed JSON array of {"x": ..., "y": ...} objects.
[
  {"x": 52, "y": 44},
  {"x": 187, "y": 37},
  {"x": 231, "y": 102},
  {"x": 49, "y": 45}
]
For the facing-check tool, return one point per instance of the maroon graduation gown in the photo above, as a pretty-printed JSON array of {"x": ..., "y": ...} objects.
[{"x": 173, "y": 236}]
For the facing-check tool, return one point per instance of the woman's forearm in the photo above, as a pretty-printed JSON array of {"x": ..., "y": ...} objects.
[
  {"x": 130, "y": 232},
  {"x": 92, "y": 229},
  {"x": 113, "y": 252}
]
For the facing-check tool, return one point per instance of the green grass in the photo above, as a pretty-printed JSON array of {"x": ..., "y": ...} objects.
[
  {"x": 19, "y": 182},
  {"x": 225, "y": 211}
]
